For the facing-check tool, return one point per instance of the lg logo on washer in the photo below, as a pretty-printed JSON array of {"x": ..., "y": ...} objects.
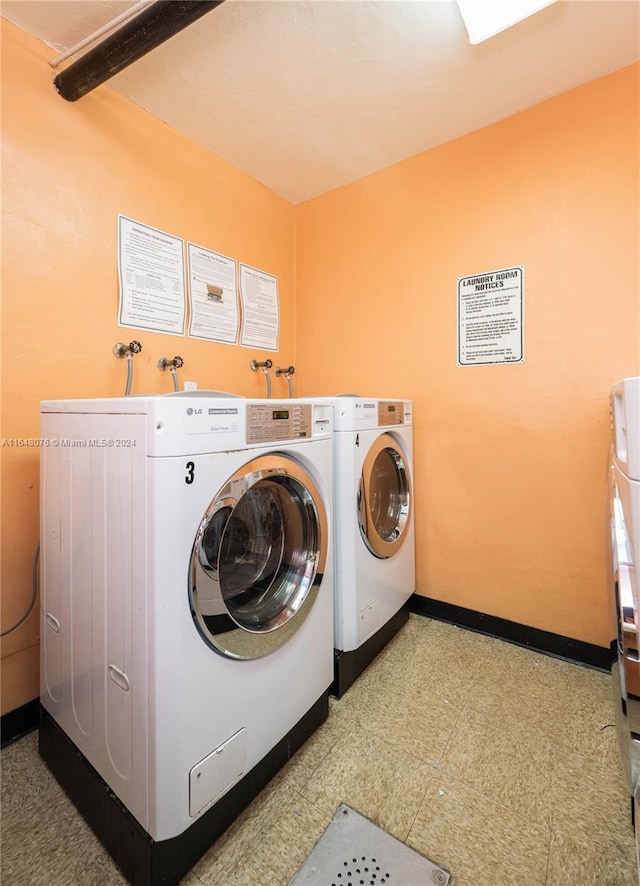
[
  {"x": 211, "y": 420},
  {"x": 191, "y": 411}
]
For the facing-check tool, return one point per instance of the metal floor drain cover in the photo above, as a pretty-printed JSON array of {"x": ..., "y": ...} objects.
[{"x": 355, "y": 852}]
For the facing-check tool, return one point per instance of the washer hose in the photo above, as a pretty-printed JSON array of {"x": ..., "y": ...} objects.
[
  {"x": 265, "y": 365},
  {"x": 127, "y": 390},
  {"x": 34, "y": 582}
]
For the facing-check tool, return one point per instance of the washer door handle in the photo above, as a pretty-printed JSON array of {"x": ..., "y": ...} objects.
[{"x": 119, "y": 678}]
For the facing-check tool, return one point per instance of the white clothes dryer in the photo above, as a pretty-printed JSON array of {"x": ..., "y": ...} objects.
[
  {"x": 186, "y": 610},
  {"x": 624, "y": 550},
  {"x": 374, "y": 529}
]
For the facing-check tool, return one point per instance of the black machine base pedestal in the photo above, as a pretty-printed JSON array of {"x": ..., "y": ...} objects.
[
  {"x": 347, "y": 666},
  {"x": 141, "y": 859}
]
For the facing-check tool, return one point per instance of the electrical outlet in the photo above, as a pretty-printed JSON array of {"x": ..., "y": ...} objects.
[{"x": 191, "y": 386}]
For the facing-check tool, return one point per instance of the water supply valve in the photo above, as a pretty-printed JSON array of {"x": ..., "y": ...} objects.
[
  {"x": 165, "y": 363},
  {"x": 172, "y": 366},
  {"x": 265, "y": 365},
  {"x": 122, "y": 350},
  {"x": 288, "y": 372}
]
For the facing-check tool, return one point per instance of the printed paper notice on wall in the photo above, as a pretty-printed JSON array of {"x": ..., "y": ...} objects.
[
  {"x": 151, "y": 274},
  {"x": 213, "y": 296},
  {"x": 490, "y": 318},
  {"x": 260, "y": 309}
]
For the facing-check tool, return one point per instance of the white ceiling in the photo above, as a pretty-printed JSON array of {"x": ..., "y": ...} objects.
[{"x": 308, "y": 95}]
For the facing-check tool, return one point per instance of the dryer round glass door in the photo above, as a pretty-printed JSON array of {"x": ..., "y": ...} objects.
[
  {"x": 384, "y": 497},
  {"x": 258, "y": 558}
]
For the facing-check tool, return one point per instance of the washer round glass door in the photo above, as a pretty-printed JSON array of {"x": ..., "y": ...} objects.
[
  {"x": 384, "y": 497},
  {"x": 258, "y": 558}
]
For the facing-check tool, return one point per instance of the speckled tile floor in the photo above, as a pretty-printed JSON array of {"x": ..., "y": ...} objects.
[{"x": 497, "y": 763}]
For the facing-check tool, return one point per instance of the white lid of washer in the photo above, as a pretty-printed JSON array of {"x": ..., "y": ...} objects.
[{"x": 625, "y": 425}]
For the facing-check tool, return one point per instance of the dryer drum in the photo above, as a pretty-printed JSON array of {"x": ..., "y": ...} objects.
[
  {"x": 384, "y": 498},
  {"x": 258, "y": 558}
]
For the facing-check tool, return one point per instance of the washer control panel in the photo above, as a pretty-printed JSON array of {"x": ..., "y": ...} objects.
[
  {"x": 274, "y": 422},
  {"x": 390, "y": 412}
]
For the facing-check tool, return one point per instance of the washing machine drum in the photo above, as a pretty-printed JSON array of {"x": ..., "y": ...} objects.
[
  {"x": 384, "y": 497},
  {"x": 258, "y": 558}
]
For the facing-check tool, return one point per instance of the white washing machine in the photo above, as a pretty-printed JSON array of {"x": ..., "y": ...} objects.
[
  {"x": 624, "y": 549},
  {"x": 186, "y": 610},
  {"x": 374, "y": 528}
]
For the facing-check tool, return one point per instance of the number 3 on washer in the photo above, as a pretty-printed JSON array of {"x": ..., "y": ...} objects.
[{"x": 190, "y": 472}]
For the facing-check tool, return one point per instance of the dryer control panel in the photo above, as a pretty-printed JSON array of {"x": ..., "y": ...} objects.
[{"x": 275, "y": 422}]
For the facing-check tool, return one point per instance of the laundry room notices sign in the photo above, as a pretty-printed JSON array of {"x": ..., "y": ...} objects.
[
  {"x": 151, "y": 275},
  {"x": 490, "y": 317}
]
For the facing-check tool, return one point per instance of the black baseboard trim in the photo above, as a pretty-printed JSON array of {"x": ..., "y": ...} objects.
[
  {"x": 521, "y": 635},
  {"x": 347, "y": 666},
  {"x": 142, "y": 860},
  {"x": 19, "y": 722}
]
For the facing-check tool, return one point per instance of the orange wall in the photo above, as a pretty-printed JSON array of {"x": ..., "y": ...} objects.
[
  {"x": 509, "y": 460},
  {"x": 68, "y": 170}
]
